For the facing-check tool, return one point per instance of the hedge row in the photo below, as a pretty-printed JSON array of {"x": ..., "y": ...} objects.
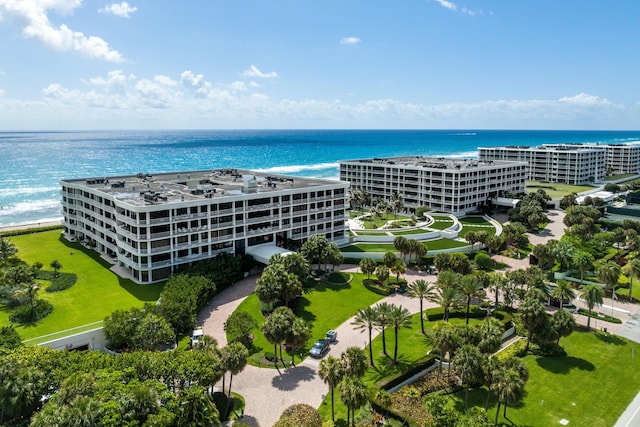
[{"x": 437, "y": 313}]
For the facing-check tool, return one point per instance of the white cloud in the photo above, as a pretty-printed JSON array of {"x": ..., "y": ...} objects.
[
  {"x": 454, "y": 7},
  {"x": 33, "y": 17},
  {"x": 447, "y": 5},
  {"x": 2, "y": 92},
  {"x": 189, "y": 100},
  {"x": 123, "y": 10},
  {"x": 350, "y": 40},
  {"x": 253, "y": 71},
  {"x": 238, "y": 86}
]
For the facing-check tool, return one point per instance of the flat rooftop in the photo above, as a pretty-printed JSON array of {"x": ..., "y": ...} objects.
[
  {"x": 435, "y": 162},
  {"x": 586, "y": 147},
  {"x": 178, "y": 187}
]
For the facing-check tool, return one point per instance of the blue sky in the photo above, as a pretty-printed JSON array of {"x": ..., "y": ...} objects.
[{"x": 227, "y": 64}]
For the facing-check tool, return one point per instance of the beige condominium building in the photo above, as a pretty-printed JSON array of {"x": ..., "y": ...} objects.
[
  {"x": 457, "y": 186},
  {"x": 150, "y": 224},
  {"x": 570, "y": 163}
]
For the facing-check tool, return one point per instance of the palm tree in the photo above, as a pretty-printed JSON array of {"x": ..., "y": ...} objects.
[
  {"x": 354, "y": 362},
  {"x": 55, "y": 264},
  {"x": 277, "y": 326},
  {"x": 582, "y": 260},
  {"x": 331, "y": 373},
  {"x": 447, "y": 298},
  {"x": 366, "y": 319},
  {"x": 563, "y": 292},
  {"x": 509, "y": 388},
  {"x": 609, "y": 273},
  {"x": 399, "y": 317},
  {"x": 471, "y": 288},
  {"x": 490, "y": 335},
  {"x": 195, "y": 409},
  {"x": 353, "y": 392},
  {"x": 299, "y": 334},
  {"x": 423, "y": 290},
  {"x": 382, "y": 321},
  {"x": 468, "y": 362},
  {"x": 532, "y": 315},
  {"x": 632, "y": 270},
  {"x": 398, "y": 268},
  {"x": 563, "y": 323},
  {"x": 30, "y": 291},
  {"x": 401, "y": 244},
  {"x": 235, "y": 360},
  {"x": 592, "y": 294},
  {"x": 383, "y": 273},
  {"x": 7, "y": 250},
  {"x": 491, "y": 367},
  {"x": 497, "y": 282},
  {"x": 444, "y": 337},
  {"x": 368, "y": 266},
  {"x": 448, "y": 279}
]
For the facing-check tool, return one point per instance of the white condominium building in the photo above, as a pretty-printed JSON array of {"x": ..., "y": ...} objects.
[
  {"x": 456, "y": 186},
  {"x": 151, "y": 224},
  {"x": 622, "y": 159},
  {"x": 563, "y": 163}
]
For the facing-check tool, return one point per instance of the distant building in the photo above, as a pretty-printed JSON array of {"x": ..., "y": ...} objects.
[
  {"x": 570, "y": 163},
  {"x": 456, "y": 186},
  {"x": 150, "y": 224}
]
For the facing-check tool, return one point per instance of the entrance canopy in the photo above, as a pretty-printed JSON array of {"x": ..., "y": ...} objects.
[{"x": 262, "y": 253}]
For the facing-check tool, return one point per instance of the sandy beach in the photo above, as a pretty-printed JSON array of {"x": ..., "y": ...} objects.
[{"x": 29, "y": 225}]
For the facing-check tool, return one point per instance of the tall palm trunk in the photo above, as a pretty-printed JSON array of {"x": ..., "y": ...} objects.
[
  {"x": 370, "y": 349},
  {"x": 230, "y": 381},
  {"x": 497, "y": 411}
]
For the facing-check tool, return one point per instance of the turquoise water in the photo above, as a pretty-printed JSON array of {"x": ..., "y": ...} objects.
[{"x": 34, "y": 162}]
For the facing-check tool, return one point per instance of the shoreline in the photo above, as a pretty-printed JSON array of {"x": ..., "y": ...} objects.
[{"x": 30, "y": 225}]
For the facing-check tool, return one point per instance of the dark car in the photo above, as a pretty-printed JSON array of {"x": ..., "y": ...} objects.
[{"x": 319, "y": 349}]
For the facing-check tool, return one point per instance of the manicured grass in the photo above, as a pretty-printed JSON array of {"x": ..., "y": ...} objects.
[
  {"x": 592, "y": 386},
  {"x": 97, "y": 293},
  {"x": 372, "y": 233},
  {"x": 386, "y": 247},
  {"x": 617, "y": 177},
  {"x": 556, "y": 190},
  {"x": 441, "y": 222},
  {"x": 468, "y": 228},
  {"x": 475, "y": 220},
  {"x": 409, "y": 232},
  {"x": 326, "y": 306},
  {"x": 370, "y": 223}
]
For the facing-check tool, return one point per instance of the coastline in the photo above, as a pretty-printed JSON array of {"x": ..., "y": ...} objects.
[{"x": 30, "y": 225}]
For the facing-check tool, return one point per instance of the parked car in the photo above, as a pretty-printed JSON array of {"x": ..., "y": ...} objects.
[
  {"x": 332, "y": 335},
  {"x": 319, "y": 349}
]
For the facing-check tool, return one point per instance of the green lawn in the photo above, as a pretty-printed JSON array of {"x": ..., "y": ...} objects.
[
  {"x": 474, "y": 220},
  {"x": 370, "y": 223},
  {"x": 96, "y": 294},
  {"x": 592, "y": 386},
  {"x": 468, "y": 228},
  {"x": 617, "y": 177},
  {"x": 432, "y": 245},
  {"x": 441, "y": 222},
  {"x": 326, "y": 306},
  {"x": 409, "y": 232},
  {"x": 556, "y": 190}
]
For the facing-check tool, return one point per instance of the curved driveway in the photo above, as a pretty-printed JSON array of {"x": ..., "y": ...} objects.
[{"x": 268, "y": 392}]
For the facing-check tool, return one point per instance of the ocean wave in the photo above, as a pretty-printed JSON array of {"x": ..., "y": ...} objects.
[
  {"x": 15, "y": 191},
  {"x": 30, "y": 207},
  {"x": 298, "y": 168},
  {"x": 463, "y": 155}
]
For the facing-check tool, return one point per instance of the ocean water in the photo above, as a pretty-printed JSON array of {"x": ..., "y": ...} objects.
[{"x": 32, "y": 163}]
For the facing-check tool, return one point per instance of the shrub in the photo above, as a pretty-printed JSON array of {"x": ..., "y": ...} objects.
[
  {"x": 24, "y": 314},
  {"x": 437, "y": 313},
  {"x": 375, "y": 287},
  {"x": 299, "y": 415},
  {"x": 58, "y": 283}
]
